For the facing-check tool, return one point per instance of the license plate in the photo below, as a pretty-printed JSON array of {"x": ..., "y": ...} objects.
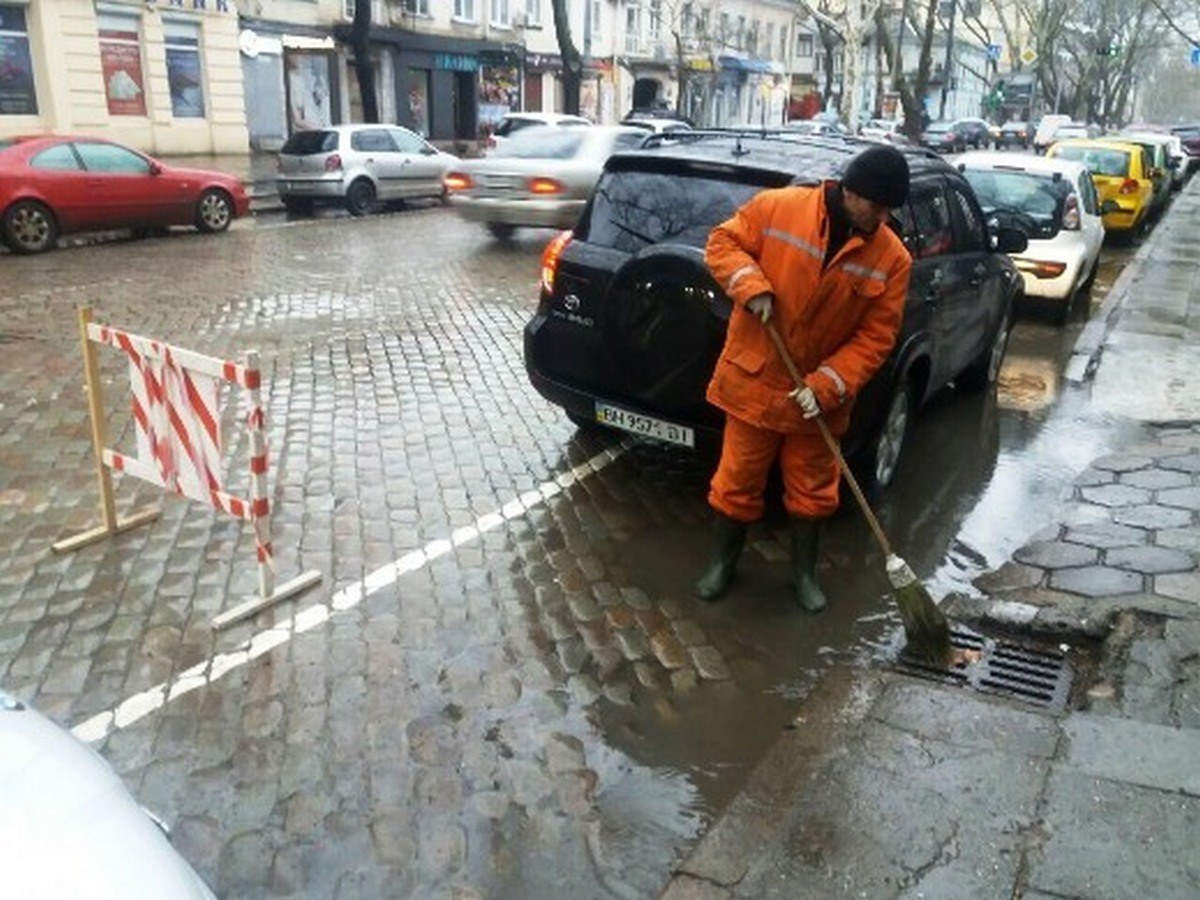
[{"x": 647, "y": 426}]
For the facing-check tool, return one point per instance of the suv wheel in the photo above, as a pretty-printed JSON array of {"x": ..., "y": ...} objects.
[
  {"x": 360, "y": 198},
  {"x": 883, "y": 453},
  {"x": 986, "y": 368}
]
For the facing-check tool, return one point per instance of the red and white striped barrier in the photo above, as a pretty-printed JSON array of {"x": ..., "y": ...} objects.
[{"x": 177, "y": 420}]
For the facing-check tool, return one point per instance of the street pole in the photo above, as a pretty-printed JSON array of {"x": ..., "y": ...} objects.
[{"x": 949, "y": 56}]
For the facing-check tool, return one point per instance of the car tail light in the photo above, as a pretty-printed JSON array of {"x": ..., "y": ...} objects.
[
  {"x": 333, "y": 162},
  {"x": 1071, "y": 214},
  {"x": 1040, "y": 268},
  {"x": 1129, "y": 186},
  {"x": 542, "y": 185},
  {"x": 458, "y": 181},
  {"x": 550, "y": 257}
]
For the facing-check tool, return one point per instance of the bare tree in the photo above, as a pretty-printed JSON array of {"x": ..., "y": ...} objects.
[
  {"x": 572, "y": 62},
  {"x": 912, "y": 93},
  {"x": 360, "y": 43}
]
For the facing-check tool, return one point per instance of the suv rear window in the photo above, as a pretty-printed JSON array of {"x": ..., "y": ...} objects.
[
  {"x": 303, "y": 143},
  {"x": 631, "y": 209}
]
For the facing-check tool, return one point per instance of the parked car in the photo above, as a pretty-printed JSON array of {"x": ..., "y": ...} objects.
[
  {"x": 976, "y": 132},
  {"x": 516, "y": 122},
  {"x": 358, "y": 166},
  {"x": 1069, "y": 130},
  {"x": 541, "y": 178},
  {"x": 1120, "y": 172},
  {"x": 813, "y": 127},
  {"x": 1015, "y": 133},
  {"x": 1189, "y": 137},
  {"x": 1176, "y": 155},
  {"x": 630, "y": 322},
  {"x": 69, "y": 827},
  {"x": 888, "y": 131},
  {"x": 943, "y": 137},
  {"x": 1159, "y": 148},
  {"x": 55, "y": 185},
  {"x": 1055, "y": 203}
]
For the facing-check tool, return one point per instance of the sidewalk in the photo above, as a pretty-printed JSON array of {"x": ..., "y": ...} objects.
[{"x": 891, "y": 786}]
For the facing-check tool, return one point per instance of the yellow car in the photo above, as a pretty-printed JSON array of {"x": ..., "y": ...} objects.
[{"x": 1121, "y": 172}]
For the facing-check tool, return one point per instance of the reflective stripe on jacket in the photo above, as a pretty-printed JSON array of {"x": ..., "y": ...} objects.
[{"x": 839, "y": 322}]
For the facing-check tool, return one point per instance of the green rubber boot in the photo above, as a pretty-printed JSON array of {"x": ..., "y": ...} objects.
[
  {"x": 729, "y": 538},
  {"x": 806, "y": 535}
]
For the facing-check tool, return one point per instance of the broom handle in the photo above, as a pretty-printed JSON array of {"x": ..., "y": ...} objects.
[{"x": 868, "y": 514}]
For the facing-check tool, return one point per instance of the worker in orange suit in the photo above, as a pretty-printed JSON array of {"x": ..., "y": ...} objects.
[{"x": 820, "y": 264}]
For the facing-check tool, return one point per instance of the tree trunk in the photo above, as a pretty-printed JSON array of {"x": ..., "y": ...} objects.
[
  {"x": 360, "y": 42},
  {"x": 572, "y": 62}
]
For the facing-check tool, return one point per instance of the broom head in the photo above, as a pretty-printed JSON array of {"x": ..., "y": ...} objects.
[{"x": 925, "y": 628}]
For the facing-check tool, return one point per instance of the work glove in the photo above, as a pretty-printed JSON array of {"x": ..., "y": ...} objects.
[
  {"x": 807, "y": 401},
  {"x": 761, "y": 306}
]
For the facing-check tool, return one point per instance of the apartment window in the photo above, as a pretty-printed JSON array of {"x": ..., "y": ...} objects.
[
  {"x": 633, "y": 28},
  {"x": 783, "y": 42},
  {"x": 769, "y": 44},
  {"x": 655, "y": 20},
  {"x": 416, "y": 7},
  {"x": 464, "y": 9},
  {"x": 533, "y": 13},
  {"x": 18, "y": 97},
  {"x": 377, "y": 13},
  {"x": 500, "y": 13},
  {"x": 121, "y": 64},
  {"x": 185, "y": 79},
  {"x": 740, "y": 38},
  {"x": 725, "y": 34},
  {"x": 752, "y": 39},
  {"x": 704, "y": 23},
  {"x": 688, "y": 22},
  {"x": 804, "y": 45},
  {"x": 595, "y": 8}
]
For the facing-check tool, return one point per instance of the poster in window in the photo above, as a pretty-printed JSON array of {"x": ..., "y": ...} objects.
[
  {"x": 418, "y": 101},
  {"x": 184, "y": 80},
  {"x": 308, "y": 91},
  {"x": 17, "y": 95},
  {"x": 121, "y": 62}
]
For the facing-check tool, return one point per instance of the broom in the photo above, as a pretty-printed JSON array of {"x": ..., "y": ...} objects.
[{"x": 925, "y": 627}]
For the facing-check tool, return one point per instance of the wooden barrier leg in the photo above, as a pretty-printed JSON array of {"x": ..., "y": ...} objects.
[{"x": 108, "y": 506}]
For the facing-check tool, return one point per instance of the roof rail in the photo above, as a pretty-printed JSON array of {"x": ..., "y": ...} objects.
[{"x": 783, "y": 135}]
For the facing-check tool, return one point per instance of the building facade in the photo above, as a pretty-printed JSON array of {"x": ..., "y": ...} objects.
[{"x": 162, "y": 76}]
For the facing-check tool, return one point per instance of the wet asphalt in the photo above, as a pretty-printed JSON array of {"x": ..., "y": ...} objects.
[{"x": 521, "y": 699}]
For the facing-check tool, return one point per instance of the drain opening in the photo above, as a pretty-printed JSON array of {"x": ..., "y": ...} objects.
[{"x": 1038, "y": 675}]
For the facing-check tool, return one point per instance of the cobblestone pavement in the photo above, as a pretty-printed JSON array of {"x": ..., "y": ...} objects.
[{"x": 424, "y": 722}]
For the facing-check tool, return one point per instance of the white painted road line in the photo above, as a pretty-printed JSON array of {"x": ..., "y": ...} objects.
[{"x": 204, "y": 673}]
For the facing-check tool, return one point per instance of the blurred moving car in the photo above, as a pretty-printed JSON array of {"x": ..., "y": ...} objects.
[
  {"x": 358, "y": 166},
  {"x": 54, "y": 185},
  {"x": 1016, "y": 133},
  {"x": 944, "y": 136},
  {"x": 70, "y": 828},
  {"x": 976, "y": 132},
  {"x": 630, "y": 322},
  {"x": 889, "y": 131},
  {"x": 656, "y": 124},
  {"x": 1069, "y": 130},
  {"x": 1046, "y": 128},
  {"x": 1056, "y": 204},
  {"x": 1120, "y": 173},
  {"x": 541, "y": 178},
  {"x": 516, "y": 122}
]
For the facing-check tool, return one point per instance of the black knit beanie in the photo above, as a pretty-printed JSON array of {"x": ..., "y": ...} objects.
[{"x": 879, "y": 174}]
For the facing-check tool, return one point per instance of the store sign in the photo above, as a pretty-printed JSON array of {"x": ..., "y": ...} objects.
[{"x": 455, "y": 62}]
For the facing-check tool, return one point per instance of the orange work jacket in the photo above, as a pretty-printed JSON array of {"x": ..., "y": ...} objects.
[{"x": 838, "y": 321}]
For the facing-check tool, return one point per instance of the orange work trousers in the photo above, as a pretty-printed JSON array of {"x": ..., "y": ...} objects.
[{"x": 810, "y": 472}]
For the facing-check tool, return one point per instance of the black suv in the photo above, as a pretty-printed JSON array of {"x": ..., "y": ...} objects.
[{"x": 630, "y": 322}]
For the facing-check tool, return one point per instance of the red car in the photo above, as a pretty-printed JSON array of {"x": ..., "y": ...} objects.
[{"x": 55, "y": 184}]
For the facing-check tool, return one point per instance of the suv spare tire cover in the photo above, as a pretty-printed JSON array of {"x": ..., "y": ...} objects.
[{"x": 665, "y": 321}]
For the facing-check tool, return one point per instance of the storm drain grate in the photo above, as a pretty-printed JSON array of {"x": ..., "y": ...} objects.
[{"x": 1037, "y": 675}]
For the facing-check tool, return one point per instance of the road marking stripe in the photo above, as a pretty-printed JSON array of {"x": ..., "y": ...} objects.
[{"x": 140, "y": 705}]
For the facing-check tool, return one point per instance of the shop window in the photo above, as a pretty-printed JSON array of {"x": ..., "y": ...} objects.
[
  {"x": 185, "y": 77},
  {"x": 121, "y": 64},
  {"x": 17, "y": 94}
]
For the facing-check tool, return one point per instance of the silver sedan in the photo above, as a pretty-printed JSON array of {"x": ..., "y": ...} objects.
[{"x": 540, "y": 178}]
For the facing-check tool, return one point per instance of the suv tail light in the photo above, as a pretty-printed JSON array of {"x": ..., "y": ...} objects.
[
  {"x": 1129, "y": 186},
  {"x": 1071, "y": 214},
  {"x": 458, "y": 181},
  {"x": 541, "y": 185},
  {"x": 550, "y": 257},
  {"x": 333, "y": 162}
]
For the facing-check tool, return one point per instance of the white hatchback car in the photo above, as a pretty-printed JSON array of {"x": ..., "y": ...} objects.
[
  {"x": 1055, "y": 202},
  {"x": 516, "y": 122}
]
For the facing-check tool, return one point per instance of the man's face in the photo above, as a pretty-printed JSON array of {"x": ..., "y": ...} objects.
[{"x": 865, "y": 215}]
